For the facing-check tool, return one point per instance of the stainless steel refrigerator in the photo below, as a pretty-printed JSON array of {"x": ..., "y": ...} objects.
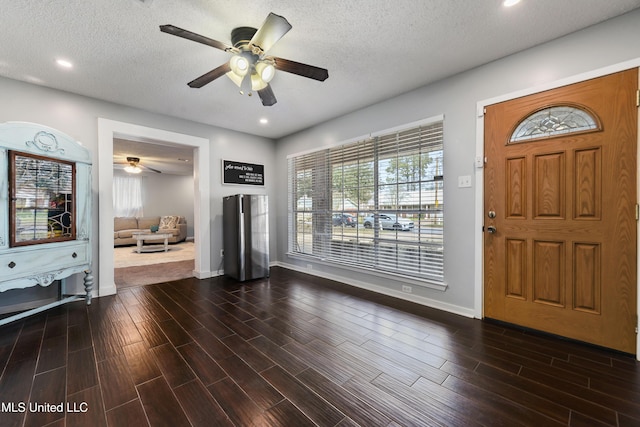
[{"x": 246, "y": 236}]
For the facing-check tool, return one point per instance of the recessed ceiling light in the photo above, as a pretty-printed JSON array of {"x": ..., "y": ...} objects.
[
  {"x": 264, "y": 121},
  {"x": 64, "y": 63},
  {"x": 509, "y": 3}
]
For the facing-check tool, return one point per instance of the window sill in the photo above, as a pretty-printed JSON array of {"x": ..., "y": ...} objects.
[{"x": 425, "y": 283}]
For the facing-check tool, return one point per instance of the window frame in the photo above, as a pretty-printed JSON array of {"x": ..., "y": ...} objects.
[{"x": 316, "y": 215}]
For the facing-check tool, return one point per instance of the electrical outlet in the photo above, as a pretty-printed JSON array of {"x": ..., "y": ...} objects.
[
  {"x": 406, "y": 289},
  {"x": 221, "y": 253}
]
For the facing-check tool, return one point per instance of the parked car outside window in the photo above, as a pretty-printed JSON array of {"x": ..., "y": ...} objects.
[
  {"x": 388, "y": 222},
  {"x": 345, "y": 220}
]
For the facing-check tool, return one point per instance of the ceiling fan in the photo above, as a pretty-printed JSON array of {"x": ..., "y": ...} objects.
[
  {"x": 250, "y": 67},
  {"x": 134, "y": 166}
]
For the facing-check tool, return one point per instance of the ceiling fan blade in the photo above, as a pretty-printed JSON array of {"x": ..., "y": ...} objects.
[
  {"x": 301, "y": 69},
  {"x": 210, "y": 76},
  {"x": 151, "y": 169},
  {"x": 176, "y": 31},
  {"x": 267, "y": 96},
  {"x": 272, "y": 30}
]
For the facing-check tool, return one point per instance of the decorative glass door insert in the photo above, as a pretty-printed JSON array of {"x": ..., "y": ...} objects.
[{"x": 42, "y": 199}]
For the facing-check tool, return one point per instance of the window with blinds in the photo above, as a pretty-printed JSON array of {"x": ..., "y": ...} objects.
[{"x": 376, "y": 203}]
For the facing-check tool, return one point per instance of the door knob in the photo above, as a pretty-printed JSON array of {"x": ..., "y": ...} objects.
[{"x": 491, "y": 229}]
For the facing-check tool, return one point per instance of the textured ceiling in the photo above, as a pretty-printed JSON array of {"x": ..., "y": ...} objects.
[{"x": 373, "y": 50}]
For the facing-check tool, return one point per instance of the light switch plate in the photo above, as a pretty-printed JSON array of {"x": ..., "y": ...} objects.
[{"x": 464, "y": 181}]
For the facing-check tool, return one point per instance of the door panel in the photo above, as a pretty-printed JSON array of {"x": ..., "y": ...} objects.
[
  {"x": 516, "y": 191},
  {"x": 562, "y": 258},
  {"x": 586, "y": 274},
  {"x": 516, "y": 268},
  {"x": 549, "y": 186},
  {"x": 548, "y": 273}
]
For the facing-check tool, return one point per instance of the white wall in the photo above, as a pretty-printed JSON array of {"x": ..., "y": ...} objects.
[
  {"x": 78, "y": 116},
  {"x": 611, "y": 42},
  {"x": 164, "y": 194}
]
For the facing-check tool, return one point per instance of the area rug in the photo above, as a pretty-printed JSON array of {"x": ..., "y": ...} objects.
[
  {"x": 126, "y": 256},
  {"x": 151, "y": 274}
]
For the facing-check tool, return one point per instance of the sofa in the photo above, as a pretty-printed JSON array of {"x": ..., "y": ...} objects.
[{"x": 125, "y": 227}]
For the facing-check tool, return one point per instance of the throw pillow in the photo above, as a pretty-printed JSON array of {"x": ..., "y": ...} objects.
[{"x": 168, "y": 222}]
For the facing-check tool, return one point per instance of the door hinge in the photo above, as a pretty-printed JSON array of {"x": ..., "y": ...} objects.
[
  {"x": 637, "y": 212},
  {"x": 638, "y": 98}
]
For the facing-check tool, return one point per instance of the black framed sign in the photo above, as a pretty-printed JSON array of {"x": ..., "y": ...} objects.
[{"x": 242, "y": 173}]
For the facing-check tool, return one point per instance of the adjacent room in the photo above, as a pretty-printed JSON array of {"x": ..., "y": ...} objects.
[
  {"x": 413, "y": 213},
  {"x": 153, "y": 183}
]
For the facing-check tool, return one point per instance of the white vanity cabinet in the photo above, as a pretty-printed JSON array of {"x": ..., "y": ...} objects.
[{"x": 45, "y": 210}]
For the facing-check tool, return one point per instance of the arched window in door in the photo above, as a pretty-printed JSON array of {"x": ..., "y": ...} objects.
[{"x": 555, "y": 121}]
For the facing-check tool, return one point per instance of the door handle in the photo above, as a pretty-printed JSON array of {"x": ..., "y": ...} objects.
[{"x": 491, "y": 229}]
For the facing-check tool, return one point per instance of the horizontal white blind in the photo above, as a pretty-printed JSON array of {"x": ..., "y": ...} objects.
[{"x": 376, "y": 203}]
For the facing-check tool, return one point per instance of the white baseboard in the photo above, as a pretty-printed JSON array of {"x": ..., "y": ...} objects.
[
  {"x": 104, "y": 290},
  {"x": 205, "y": 274},
  {"x": 428, "y": 302}
]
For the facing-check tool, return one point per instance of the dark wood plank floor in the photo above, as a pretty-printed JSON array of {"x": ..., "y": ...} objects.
[{"x": 295, "y": 350}]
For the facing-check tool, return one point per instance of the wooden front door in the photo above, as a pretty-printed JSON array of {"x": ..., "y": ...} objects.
[{"x": 560, "y": 211}]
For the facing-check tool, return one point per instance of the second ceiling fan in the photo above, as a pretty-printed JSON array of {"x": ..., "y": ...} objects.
[
  {"x": 250, "y": 67},
  {"x": 134, "y": 166}
]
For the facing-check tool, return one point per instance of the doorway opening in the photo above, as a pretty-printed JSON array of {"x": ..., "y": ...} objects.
[{"x": 107, "y": 131}]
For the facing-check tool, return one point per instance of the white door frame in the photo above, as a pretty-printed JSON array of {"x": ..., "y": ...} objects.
[
  {"x": 109, "y": 129},
  {"x": 479, "y": 175}
]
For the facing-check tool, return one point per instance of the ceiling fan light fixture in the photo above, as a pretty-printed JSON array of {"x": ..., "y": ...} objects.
[
  {"x": 250, "y": 45},
  {"x": 132, "y": 169},
  {"x": 257, "y": 83},
  {"x": 235, "y": 78},
  {"x": 239, "y": 65},
  {"x": 266, "y": 71}
]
